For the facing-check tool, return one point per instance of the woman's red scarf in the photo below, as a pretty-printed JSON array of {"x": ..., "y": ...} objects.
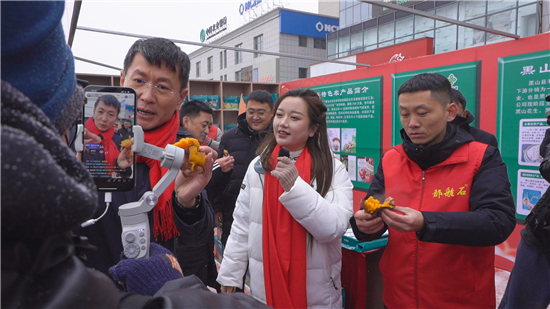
[
  {"x": 284, "y": 243},
  {"x": 162, "y": 213},
  {"x": 110, "y": 148}
]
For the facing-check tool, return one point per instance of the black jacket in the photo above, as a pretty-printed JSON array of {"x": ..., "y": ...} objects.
[
  {"x": 544, "y": 143},
  {"x": 241, "y": 142},
  {"x": 478, "y": 134},
  {"x": 537, "y": 223},
  {"x": 492, "y": 215},
  {"x": 193, "y": 248},
  {"x": 125, "y": 133}
]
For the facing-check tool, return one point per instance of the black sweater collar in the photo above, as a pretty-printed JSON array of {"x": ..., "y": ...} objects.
[{"x": 434, "y": 154}]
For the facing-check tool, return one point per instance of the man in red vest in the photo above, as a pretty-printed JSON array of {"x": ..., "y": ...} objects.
[{"x": 454, "y": 205}]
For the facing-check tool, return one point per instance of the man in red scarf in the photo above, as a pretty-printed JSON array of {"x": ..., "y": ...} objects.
[
  {"x": 183, "y": 219},
  {"x": 100, "y": 130}
]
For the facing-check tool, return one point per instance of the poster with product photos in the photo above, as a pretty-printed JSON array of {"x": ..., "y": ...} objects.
[
  {"x": 523, "y": 85},
  {"x": 354, "y": 124}
]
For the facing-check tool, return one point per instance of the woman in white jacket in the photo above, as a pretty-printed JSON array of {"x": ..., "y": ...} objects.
[{"x": 291, "y": 213}]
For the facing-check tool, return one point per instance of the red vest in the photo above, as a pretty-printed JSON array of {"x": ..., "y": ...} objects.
[{"x": 420, "y": 274}]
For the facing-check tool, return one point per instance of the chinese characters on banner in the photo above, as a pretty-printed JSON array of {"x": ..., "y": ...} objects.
[
  {"x": 523, "y": 84},
  {"x": 354, "y": 124}
]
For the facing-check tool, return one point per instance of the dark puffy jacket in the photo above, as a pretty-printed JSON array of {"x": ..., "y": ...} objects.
[
  {"x": 241, "y": 143},
  {"x": 545, "y": 141},
  {"x": 478, "y": 134},
  {"x": 537, "y": 223}
]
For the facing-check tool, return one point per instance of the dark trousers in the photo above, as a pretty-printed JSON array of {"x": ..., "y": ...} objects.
[{"x": 529, "y": 282}]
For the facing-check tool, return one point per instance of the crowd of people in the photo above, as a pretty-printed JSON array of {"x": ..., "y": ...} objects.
[{"x": 272, "y": 185}]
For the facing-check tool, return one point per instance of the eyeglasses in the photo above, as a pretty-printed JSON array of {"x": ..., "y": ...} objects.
[{"x": 161, "y": 89}]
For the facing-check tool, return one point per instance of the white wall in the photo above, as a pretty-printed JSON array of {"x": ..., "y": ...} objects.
[
  {"x": 325, "y": 68},
  {"x": 329, "y": 7}
]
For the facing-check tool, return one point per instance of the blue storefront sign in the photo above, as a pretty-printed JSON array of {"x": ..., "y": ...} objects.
[{"x": 306, "y": 25}]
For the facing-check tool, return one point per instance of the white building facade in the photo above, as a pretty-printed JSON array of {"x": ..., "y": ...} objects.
[{"x": 280, "y": 30}]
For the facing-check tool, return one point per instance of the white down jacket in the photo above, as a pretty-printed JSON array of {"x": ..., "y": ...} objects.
[{"x": 326, "y": 219}]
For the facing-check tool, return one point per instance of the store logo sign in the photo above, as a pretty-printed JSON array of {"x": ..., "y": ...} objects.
[
  {"x": 248, "y": 5},
  {"x": 397, "y": 58},
  {"x": 212, "y": 31},
  {"x": 453, "y": 79},
  {"x": 326, "y": 27},
  {"x": 203, "y": 35}
]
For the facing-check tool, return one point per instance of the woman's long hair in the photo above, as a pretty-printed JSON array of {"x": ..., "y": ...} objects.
[{"x": 321, "y": 156}]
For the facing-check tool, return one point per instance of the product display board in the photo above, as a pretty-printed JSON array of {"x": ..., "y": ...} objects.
[
  {"x": 464, "y": 77},
  {"x": 354, "y": 125},
  {"x": 523, "y": 84}
]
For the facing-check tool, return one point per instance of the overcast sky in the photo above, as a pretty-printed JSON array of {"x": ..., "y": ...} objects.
[{"x": 182, "y": 20}]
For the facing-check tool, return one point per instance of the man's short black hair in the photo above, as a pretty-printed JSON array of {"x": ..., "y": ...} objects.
[
  {"x": 261, "y": 96},
  {"x": 109, "y": 100},
  {"x": 458, "y": 98},
  {"x": 128, "y": 120},
  {"x": 159, "y": 50},
  {"x": 193, "y": 109},
  {"x": 438, "y": 84}
]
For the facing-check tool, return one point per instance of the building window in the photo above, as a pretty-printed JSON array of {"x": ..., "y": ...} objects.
[
  {"x": 238, "y": 76},
  {"x": 225, "y": 77},
  {"x": 302, "y": 72},
  {"x": 302, "y": 41},
  {"x": 210, "y": 64},
  {"x": 221, "y": 77},
  {"x": 198, "y": 69},
  {"x": 333, "y": 48},
  {"x": 221, "y": 60},
  {"x": 320, "y": 43},
  {"x": 520, "y": 17},
  {"x": 356, "y": 42},
  {"x": 343, "y": 46},
  {"x": 238, "y": 54},
  {"x": 258, "y": 44},
  {"x": 225, "y": 59}
]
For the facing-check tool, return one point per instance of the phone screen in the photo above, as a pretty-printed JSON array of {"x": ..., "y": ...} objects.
[{"x": 109, "y": 116}]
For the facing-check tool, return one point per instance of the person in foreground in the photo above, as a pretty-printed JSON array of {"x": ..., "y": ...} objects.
[
  {"x": 47, "y": 192},
  {"x": 182, "y": 220},
  {"x": 291, "y": 213},
  {"x": 454, "y": 205}
]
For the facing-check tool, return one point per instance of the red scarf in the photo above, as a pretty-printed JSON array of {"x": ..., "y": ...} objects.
[
  {"x": 284, "y": 243},
  {"x": 110, "y": 148},
  {"x": 162, "y": 213}
]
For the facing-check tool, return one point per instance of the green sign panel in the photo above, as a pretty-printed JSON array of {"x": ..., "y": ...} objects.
[
  {"x": 354, "y": 125},
  {"x": 464, "y": 77},
  {"x": 523, "y": 84}
]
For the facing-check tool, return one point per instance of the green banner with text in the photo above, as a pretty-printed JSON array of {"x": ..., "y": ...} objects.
[
  {"x": 523, "y": 84},
  {"x": 354, "y": 125}
]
